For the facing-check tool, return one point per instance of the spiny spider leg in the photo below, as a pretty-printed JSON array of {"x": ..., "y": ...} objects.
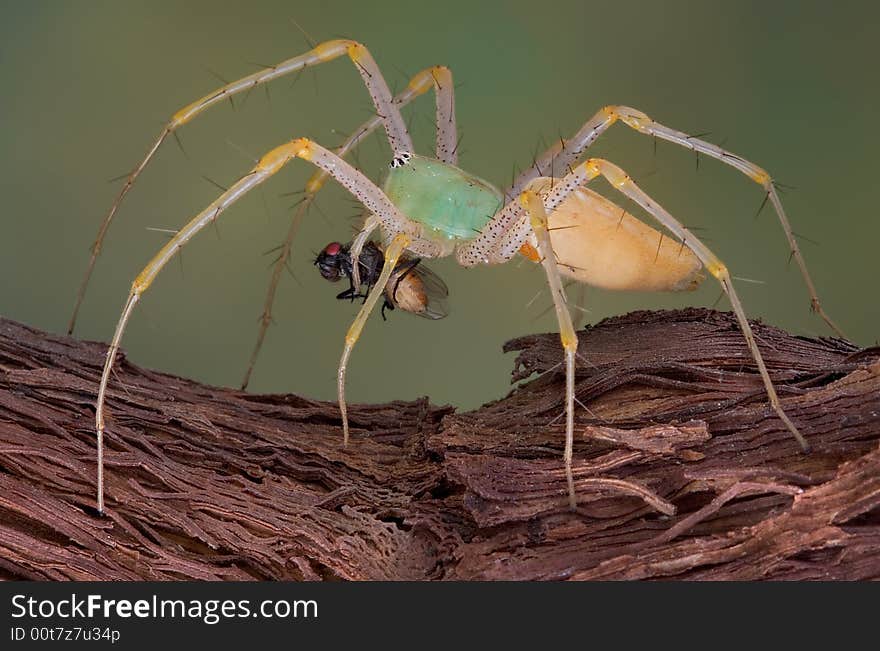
[
  {"x": 446, "y": 146},
  {"x": 357, "y": 245},
  {"x": 392, "y": 255},
  {"x": 354, "y": 181},
  {"x": 579, "y": 177},
  {"x": 624, "y": 184},
  {"x": 562, "y": 155},
  {"x": 437, "y": 77},
  {"x": 538, "y": 224},
  {"x": 388, "y": 112}
]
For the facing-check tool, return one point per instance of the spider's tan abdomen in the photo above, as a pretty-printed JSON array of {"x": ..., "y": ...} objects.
[{"x": 598, "y": 243}]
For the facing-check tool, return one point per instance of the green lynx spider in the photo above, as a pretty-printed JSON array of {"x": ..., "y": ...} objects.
[{"x": 431, "y": 208}]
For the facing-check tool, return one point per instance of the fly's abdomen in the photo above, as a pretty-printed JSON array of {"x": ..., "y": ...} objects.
[{"x": 449, "y": 201}]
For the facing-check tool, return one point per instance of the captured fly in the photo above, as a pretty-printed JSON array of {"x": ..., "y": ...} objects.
[{"x": 412, "y": 287}]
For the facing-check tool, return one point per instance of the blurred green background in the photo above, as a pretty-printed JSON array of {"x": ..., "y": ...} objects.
[{"x": 88, "y": 85}]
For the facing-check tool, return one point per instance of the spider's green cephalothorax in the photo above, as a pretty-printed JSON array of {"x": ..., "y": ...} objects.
[{"x": 455, "y": 204}]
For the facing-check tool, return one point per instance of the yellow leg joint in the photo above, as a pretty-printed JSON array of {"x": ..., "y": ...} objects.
[
  {"x": 356, "y": 51},
  {"x": 331, "y": 49},
  {"x": 760, "y": 176},
  {"x": 275, "y": 159},
  {"x": 718, "y": 269},
  {"x": 142, "y": 282},
  {"x": 535, "y": 207},
  {"x": 421, "y": 82},
  {"x": 316, "y": 182},
  {"x": 184, "y": 115},
  {"x": 635, "y": 119},
  {"x": 302, "y": 148},
  {"x": 569, "y": 339},
  {"x": 592, "y": 168},
  {"x": 441, "y": 75}
]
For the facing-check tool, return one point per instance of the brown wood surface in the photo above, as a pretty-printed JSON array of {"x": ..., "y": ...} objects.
[{"x": 682, "y": 470}]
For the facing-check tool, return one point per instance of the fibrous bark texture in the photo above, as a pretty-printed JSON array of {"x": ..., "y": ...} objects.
[{"x": 682, "y": 470}]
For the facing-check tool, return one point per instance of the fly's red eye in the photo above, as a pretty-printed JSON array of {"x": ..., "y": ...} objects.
[{"x": 333, "y": 248}]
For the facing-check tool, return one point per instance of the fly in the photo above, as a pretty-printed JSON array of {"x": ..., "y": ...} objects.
[{"x": 413, "y": 287}]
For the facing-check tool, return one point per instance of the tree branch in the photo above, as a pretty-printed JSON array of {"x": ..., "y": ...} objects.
[{"x": 682, "y": 470}]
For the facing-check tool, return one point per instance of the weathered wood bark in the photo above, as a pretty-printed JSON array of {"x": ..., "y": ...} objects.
[{"x": 682, "y": 470}]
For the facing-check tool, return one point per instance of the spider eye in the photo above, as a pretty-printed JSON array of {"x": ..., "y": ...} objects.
[{"x": 400, "y": 159}]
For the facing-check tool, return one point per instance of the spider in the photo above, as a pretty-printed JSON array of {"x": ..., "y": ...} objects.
[{"x": 428, "y": 207}]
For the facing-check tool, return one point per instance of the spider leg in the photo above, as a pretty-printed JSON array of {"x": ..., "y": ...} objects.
[
  {"x": 538, "y": 224},
  {"x": 447, "y": 132},
  {"x": 594, "y": 167},
  {"x": 644, "y": 124},
  {"x": 562, "y": 155},
  {"x": 493, "y": 243},
  {"x": 620, "y": 180},
  {"x": 354, "y": 181},
  {"x": 357, "y": 245},
  {"x": 437, "y": 77},
  {"x": 392, "y": 255},
  {"x": 388, "y": 112}
]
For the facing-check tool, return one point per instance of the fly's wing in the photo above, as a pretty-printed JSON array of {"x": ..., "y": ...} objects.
[
  {"x": 436, "y": 292},
  {"x": 416, "y": 289}
]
